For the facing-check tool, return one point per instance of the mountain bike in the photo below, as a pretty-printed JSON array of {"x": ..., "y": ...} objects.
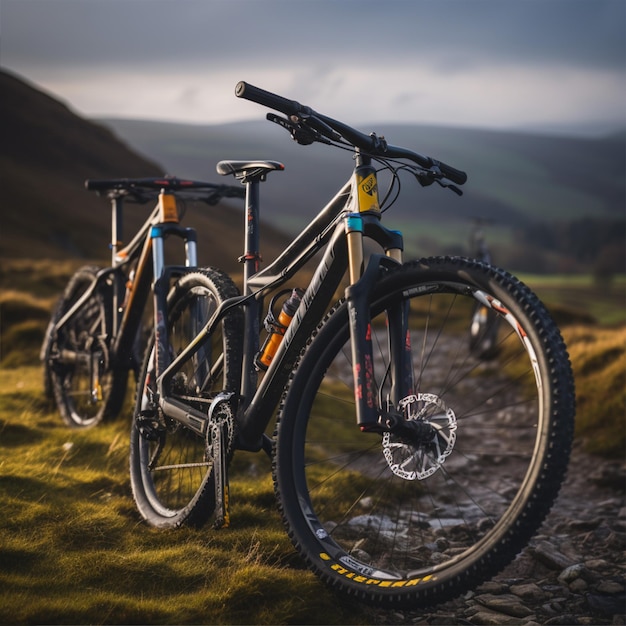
[
  {"x": 485, "y": 321},
  {"x": 406, "y": 470},
  {"x": 95, "y": 336}
]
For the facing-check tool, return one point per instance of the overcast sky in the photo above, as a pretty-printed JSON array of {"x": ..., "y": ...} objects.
[{"x": 490, "y": 63}]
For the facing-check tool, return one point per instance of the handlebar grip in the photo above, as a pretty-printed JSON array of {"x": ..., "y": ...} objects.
[
  {"x": 456, "y": 176},
  {"x": 100, "y": 185},
  {"x": 266, "y": 98}
]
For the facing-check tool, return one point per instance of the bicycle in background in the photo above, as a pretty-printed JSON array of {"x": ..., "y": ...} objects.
[
  {"x": 406, "y": 470},
  {"x": 95, "y": 336},
  {"x": 485, "y": 321}
]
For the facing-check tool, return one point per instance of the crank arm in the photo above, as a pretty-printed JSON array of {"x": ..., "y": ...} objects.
[{"x": 220, "y": 475}]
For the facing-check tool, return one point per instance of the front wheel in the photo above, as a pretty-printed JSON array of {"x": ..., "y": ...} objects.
[
  {"x": 171, "y": 466},
  {"x": 408, "y": 521}
]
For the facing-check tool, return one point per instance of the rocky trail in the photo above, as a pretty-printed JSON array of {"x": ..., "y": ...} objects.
[{"x": 572, "y": 572}]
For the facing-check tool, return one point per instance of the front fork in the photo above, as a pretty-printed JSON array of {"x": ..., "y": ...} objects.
[
  {"x": 372, "y": 408},
  {"x": 162, "y": 280}
]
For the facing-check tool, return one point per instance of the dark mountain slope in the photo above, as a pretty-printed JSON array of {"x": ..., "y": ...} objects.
[{"x": 47, "y": 152}]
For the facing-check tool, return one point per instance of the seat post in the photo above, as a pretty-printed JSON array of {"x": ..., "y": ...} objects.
[
  {"x": 116, "y": 227},
  {"x": 251, "y": 174},
  {"x": 251, "y": 255},
  {"x": 251, "y": 260}
]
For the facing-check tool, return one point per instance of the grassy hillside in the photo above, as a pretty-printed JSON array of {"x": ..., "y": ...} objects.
[
  {"x": 74, "y": 549},
  {"x": 46, "y": 153}
]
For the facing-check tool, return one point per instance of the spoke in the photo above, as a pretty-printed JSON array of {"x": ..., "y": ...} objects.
[{"x": 162, "y": 468}]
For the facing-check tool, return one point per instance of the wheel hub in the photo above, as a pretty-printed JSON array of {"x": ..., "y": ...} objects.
[{"x": 421, "y": 455}]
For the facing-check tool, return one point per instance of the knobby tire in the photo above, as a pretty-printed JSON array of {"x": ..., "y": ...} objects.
[
  {"x": 171, "y": 470},
  {"x": 70, "y": 384},
  {"x": 399, "y": 524}
]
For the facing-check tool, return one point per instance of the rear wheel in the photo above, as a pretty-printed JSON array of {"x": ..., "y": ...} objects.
[
  {"x": 171, "y": 466},
  {"x": 411, "y": 520},
  {"x": 76, "y": 363}
]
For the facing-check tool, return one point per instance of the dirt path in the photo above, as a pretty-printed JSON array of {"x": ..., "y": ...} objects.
[{"x": 571, "y": 573}]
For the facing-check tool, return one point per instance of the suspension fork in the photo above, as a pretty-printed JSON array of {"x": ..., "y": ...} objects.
[
  {"x": 359, "y": 297},
  {"x": 168, "y": 225},
  {"x": 359, "y": 293}
]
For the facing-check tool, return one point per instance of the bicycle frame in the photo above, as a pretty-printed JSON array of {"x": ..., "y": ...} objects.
[
  {"x": 340, "y": 227},
  {"x": 146, "y": 248}
]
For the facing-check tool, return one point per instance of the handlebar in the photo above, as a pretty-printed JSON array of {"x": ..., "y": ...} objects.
[
  {"x": 137, "y": 186},
  {"x": 335, "y": 130}
]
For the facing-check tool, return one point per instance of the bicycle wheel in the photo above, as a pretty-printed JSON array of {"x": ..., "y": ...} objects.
[
  {"x": 76, "y": 368},
  {"x": 408, "y": 522},
  {"x": 171, "y": 468}
]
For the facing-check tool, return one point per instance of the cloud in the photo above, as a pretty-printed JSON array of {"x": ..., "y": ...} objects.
[{"x": 480, "y": 62}]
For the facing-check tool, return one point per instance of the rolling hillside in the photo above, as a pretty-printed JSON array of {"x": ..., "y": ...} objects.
[
  {"x": 47, "y": 152},
  {"x": 556, "y": 203},
  {"x": 516, "y": 180}
]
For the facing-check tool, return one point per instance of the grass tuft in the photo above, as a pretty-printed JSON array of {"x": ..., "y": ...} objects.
[{"x": 599, "y": 361}]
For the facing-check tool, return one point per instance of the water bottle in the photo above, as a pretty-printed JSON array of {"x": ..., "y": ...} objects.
[{"x": 277, "y": 327}]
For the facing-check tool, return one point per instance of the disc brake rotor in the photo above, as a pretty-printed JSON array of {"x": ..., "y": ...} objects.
[{"x": 412, "y": 461}]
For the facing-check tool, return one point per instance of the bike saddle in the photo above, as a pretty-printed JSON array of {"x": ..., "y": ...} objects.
[{"x": 248, "y": 169}]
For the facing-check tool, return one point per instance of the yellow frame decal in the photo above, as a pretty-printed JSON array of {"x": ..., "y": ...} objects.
[{"x": 367, "y": 192}]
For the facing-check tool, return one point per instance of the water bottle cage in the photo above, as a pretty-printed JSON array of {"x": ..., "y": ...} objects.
[{"x": 271, "y": 324}]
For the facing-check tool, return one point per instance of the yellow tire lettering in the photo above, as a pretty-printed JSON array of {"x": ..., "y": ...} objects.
[{"x": 359, "y": 578}]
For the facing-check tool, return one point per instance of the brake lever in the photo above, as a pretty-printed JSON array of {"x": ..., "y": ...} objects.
[
  {"x": 449, "y": 186},
  {"x": 319, "y": 126},
  {"x": 301, "y": 134},
  {"x": 428, "y": 177}
]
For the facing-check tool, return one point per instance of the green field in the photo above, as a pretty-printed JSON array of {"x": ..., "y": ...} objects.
[
  {"x": 582, "y": 295},
  {"x": 74, "y": 549}
]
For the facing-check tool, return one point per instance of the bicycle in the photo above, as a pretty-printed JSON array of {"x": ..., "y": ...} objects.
[
  {"x": 485, "y": 322},
  {"x": 406, "y": 470},
  {"x": 95, "y": 335}
]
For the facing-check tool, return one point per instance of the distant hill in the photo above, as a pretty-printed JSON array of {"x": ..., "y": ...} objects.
[
  {"x": 47, "y": 152},
  {"x": 517, "y": 180},
  {"x": 557, "y": 203}
]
